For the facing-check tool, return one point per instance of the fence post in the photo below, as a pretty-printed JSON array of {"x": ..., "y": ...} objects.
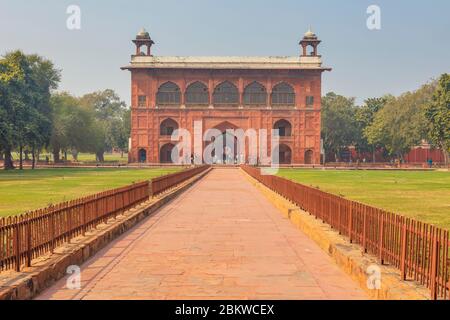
[
  {"x": 29, "y": 244},
  {"x": 364, "y": 235},
  {"x": 84, "y": 220},
  {"x": 404, "y": 245},
  {"x": 17, "y": 245},
  {"x": 339, "y": 217},
  {"x": 52, "y": 231},
  {"x": 434, "y": 266},
  {"x": 350, "y": 222},
  {"x": 380, "y": 240}
]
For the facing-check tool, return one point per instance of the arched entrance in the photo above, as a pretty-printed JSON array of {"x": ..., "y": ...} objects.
[
  {"x": 142, "y": 156},
  {"x": 165, "y": 154},
  {"x": 229, "y": 154},
  {"x": 285, "y": 154},
  {"x": 309, "y": 159}
]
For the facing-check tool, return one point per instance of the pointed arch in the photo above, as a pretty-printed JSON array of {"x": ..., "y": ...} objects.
[
  {"x": 309, "y": 157},
  {"x": 226, "y": 93},
  {"x": 197, "y": 94},
  {"x": 284, "y": 153},
  {"x": 168, "y": 93},
  {"x": 165, "y": 153},
  {"x": 283, "y": 94},
  {"x": 167, "y": 127},
  {"x": 284, "y": 128},
  {"x": 255, "y": 93}
]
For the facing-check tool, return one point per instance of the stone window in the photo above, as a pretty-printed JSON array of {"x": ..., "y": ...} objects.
[
  {"x": 255, "y": 94},
  {"x": 197, "y": 93},
  {"x": 309, "y": 101},
  {"x": 142, "y": 101},
  {"x": 226, "y": 93},
  {"x": 168, "y": 94},
  {"x": 283, "y": 94}
]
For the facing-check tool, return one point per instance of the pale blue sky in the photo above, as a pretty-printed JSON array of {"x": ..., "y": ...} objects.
[{"x": 412, "y": 46}]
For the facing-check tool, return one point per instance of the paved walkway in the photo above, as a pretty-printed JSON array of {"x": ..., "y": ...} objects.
[{"x": 222, "y": 239}]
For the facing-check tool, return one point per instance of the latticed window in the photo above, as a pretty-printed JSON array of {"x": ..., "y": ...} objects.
[
  {"x": 283, "y": 94},
  {"x": 226, "y": 93},
  {"x": 142, "y": 101},
  {"x": 255, "y": 93},
  {"x": 167, "y": 127},
  {"x": 197, "y": 93},
  {"x": 168, "y": 93},
  {"x": 309, "y": 101}
]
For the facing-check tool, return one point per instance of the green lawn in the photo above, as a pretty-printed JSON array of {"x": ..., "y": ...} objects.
[
  {"x": 422, "y": 195},
  {"x": 32, "y": 189}
]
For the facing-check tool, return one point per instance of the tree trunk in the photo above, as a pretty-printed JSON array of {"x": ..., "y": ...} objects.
[
  {"x": 374, "y": 159},
  {"x": 100, "y": 156},
  {"x": 27, "y": 156},
  {"x": 9, "y": 165},
  {"x": 446, "y": 157},
  {"x": 33, "y": 159},
  {"x": 56, "y": 158},
  {"x": 20, "y": 157},
  {"x": 2, "y": 156}
]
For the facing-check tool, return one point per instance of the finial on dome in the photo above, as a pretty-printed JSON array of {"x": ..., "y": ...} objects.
[
  {"x": 310, "y": 34},
  {"x": 143, "y": 34}
]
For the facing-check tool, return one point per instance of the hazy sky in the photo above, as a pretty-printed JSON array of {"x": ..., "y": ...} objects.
[{"x": 412, "y": 46}]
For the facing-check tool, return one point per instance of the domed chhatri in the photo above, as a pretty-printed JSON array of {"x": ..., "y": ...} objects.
[
  {"x": 143, "y": 39},
  {"x": 310, "y": 39},
  {"x": 310, "y": 35},
  {"x": 143, "y": 34}
]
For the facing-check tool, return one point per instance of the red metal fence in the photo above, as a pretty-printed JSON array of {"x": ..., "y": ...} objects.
[
  {"x": 418, "y": 249},
  {"x": 30, "y": 235},
  {"x": 164, "y": 183}
]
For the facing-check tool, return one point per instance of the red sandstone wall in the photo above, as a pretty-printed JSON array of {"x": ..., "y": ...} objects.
[{"x": 305, "y": 121}]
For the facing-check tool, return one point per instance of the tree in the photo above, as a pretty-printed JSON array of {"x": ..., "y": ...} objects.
[
  {"x": 110, "y": 113},
  {"x": 401, "y": 123},
  {"x": 437, "y": 112},
  {"x": 339, "y": 127},
  {"x": 72, "y": 126},
  {"x": 26, "y": 82},
  {"x": 11, "y": 77},
  {"x": 364, "y": 116}
]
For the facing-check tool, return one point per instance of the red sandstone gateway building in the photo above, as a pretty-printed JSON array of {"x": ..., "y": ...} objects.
[{"x": 226, "y": 93}]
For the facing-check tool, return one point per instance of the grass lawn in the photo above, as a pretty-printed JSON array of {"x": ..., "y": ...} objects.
[
  {"x": 26, "y": 190},
  {"x": 421, "y": 195}
]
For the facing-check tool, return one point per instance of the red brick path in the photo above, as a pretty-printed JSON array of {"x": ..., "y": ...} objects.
[{"x": 222, "y": 239}]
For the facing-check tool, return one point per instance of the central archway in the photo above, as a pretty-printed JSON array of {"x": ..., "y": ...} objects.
[{"x": 230, "y": 147}]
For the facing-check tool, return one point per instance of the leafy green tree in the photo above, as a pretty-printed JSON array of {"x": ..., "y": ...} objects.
[
  {"x": 339, "y": 127},
  {"x": 43, "y": 78},
  {"x": 72, "y": 126},
  {"x": 364, "y": 116},
  {"x": 401, "y": 123},
  {"x": 437, "y": 113},
  {"x": 110, "y": 114},
  {"x": 26, "y": 84}
]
